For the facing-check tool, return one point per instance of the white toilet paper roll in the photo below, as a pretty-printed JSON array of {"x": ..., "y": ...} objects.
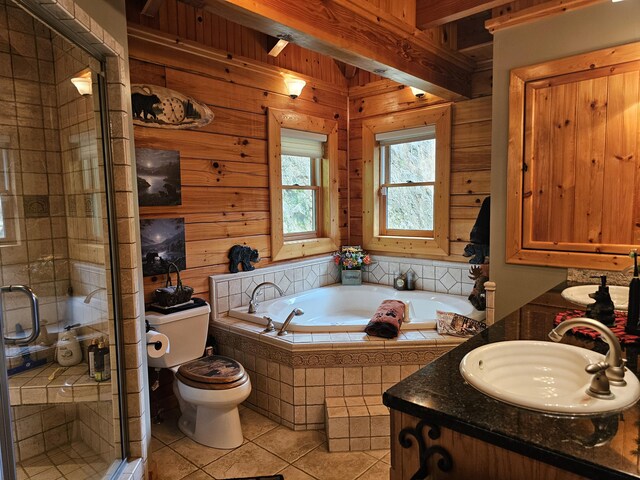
[{"x": 157, "y": 344}]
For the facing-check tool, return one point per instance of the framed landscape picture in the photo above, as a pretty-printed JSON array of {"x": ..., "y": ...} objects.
[
  {"x": 158, "y": 174},
  {"x": 163, "y": 243}
]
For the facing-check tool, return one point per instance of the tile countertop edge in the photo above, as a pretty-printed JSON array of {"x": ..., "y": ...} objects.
[{"x": 515, "y": 444}]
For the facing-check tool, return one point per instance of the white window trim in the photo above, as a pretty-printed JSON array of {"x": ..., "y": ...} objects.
[
  {"x": 373, "y": 241},
  {"x": 328, "y": 238}
]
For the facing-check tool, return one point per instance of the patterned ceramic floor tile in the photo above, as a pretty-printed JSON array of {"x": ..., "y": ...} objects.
[
  {"x": 247, "y": 461},
  {"x": 288, "y": 444},
  {"x": 334, "y": 466}
]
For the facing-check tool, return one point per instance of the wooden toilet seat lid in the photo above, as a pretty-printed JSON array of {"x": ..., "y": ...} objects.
[{"x": 215, "y": 372}]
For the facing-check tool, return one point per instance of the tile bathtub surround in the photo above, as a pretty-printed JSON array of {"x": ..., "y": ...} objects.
[
  {"x": 357, "y": 423},
  {"x": 234, "y": 290},
  {"x": 291, "y": 379},
  {"x": 431, "y": 275}
]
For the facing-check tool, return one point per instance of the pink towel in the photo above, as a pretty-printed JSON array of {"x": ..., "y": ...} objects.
[{"x": 387, "y": 320}]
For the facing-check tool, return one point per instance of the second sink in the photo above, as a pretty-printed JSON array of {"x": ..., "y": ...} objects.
[{"x": 543, "y": 376}]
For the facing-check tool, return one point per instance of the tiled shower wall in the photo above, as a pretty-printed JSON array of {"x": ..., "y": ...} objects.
[
  {"x": 34, "y": 248},
  {"x": 37, "y": 102},
  {"x": 234, "y": 289}
]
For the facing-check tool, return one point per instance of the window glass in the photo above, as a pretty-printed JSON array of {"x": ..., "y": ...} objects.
[
  {"x": 410, "y": 208},
  {"x": 296, "y": 170},
  {"x": 412, "y": 161},
  {"x": 299, "y": 212}
]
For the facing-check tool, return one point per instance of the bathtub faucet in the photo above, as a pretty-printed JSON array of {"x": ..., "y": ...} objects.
[
  {"x": 296, "y": 312},
  {"x": 253, "y": 303}
]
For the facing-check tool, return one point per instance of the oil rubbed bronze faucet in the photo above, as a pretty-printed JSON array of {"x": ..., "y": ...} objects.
[
  {"x": 613, "y": 365},
  {"x": 296, "y": 312},
  {"x": 253, "y": 303}
]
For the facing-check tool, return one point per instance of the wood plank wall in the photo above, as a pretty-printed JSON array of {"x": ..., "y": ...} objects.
[
  {"x": 184, "y": 21},
  {"x": 470, "y": 156},
  {"x": 224, "y": 165},
  {"x": 225, "y": 195}
]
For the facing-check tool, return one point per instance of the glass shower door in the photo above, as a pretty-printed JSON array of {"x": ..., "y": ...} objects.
[{"x": 59, "y": 402}]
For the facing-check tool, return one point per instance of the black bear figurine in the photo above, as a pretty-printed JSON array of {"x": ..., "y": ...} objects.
[{"x": 244, "y": 255}]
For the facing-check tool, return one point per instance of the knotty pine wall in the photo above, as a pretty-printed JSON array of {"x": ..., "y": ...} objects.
[
  {"x": 224, "y": 165},
  {"x": 186, "y": 22},
  {"x": 470, "y": 155},
  {"x": 225, "y": 195}
]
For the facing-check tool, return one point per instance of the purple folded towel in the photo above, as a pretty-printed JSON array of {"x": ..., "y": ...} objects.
[{"x": 387, "y": 320}]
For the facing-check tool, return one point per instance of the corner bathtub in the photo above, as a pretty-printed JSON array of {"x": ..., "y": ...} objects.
[{"x": 339, "y": 308}]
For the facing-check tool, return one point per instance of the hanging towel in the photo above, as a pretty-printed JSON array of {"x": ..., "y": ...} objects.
[{"x": 387, "y": 320}]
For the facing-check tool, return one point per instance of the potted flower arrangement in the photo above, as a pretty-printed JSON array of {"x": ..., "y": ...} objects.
[{"x": 351, "y": 259}]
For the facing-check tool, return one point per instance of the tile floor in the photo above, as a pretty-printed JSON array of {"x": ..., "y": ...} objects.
[
  {"x": 268, "y": 448},
  {"x": 75, "y": 461}
]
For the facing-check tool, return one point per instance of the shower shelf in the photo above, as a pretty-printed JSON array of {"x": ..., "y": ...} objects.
[{"x": 70, "y": 385}]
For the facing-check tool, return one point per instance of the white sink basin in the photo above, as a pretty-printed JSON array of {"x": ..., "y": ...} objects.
[
  {"x": 543, "y": 376},
  {"x": 580, "y": 295}
]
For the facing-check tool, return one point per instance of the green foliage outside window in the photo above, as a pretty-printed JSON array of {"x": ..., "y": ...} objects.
[
  {"x": 411, "y": 207},
  {"x": 298, "y": 205}
]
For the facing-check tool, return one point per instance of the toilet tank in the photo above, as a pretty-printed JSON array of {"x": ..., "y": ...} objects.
[{"x": 187, "y": 332}]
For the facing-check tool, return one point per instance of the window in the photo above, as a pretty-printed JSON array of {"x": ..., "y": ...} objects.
[
  {"x": 303, "y": 184},
  {"x": 407, "y": 172},
  {"x": 301, "y": 164},
  {"x": 406, "y": 182},
  {"x": 9, "y": 222}
]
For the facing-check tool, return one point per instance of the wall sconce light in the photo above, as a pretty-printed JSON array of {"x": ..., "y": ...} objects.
[
  {"x": 83, "y": 82},
  {"x": 417, "y": 92},
  {"x": 294, "y": 86}
]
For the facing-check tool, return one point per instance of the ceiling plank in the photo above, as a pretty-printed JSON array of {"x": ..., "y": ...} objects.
[
  {"x": 432, "y": 13},
  {"x": 359, "y": 35},
  {"x": 151, "y": 7}
]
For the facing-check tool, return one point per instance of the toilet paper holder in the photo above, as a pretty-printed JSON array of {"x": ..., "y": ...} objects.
[{"x": 157, "y": 345}]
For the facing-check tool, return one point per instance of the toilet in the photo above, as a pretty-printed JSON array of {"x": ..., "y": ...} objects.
[{"x": 209, "y": 389}]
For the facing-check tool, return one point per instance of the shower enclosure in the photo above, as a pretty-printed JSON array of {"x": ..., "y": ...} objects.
[{"x": 59, "y": 417}]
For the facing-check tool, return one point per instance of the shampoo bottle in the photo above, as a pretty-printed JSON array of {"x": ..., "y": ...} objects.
[
  {"x": 103, "y": 363},
  {"x": 91, "y": 357}
]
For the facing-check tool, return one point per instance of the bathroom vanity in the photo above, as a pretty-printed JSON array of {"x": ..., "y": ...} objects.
[{"x": 443, "y": 428}]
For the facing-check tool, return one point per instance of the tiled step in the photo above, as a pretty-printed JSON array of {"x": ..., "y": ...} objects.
[{"x": 356, "y": 423}]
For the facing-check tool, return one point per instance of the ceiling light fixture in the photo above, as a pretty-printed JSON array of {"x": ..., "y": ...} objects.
[
  {"x": 417, "y": 92},
  {"x": 294, "y": 86},
  {"x": 83, "y": 82}
]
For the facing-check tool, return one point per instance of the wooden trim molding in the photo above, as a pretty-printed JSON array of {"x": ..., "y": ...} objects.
[
  {"x": 329, "y": 235},
  {"x": 526, "y": 243},
  {"x": 537, "y": 12},
  {"x": 438, "y": 246}
]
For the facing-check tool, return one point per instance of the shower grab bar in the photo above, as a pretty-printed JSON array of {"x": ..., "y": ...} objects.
[{"x": 35, "y": 314}]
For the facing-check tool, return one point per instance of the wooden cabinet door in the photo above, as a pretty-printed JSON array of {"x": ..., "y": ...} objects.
[{"x": 574, "y": 160}]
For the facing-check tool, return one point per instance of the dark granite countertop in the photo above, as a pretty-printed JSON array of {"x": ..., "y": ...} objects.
[{"x": 439, "y": 392}]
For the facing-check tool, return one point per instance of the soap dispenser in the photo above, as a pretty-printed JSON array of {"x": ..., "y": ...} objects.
[
  {"x": 68, "y": 352},
  {"x": 602, "y": 309}
]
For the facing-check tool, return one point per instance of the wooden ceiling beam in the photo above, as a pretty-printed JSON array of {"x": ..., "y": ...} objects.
[
  {"x": 151, "y": 7},
  {"x": 359, "y": 35},
  {"x": 432, "y": 13}
]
